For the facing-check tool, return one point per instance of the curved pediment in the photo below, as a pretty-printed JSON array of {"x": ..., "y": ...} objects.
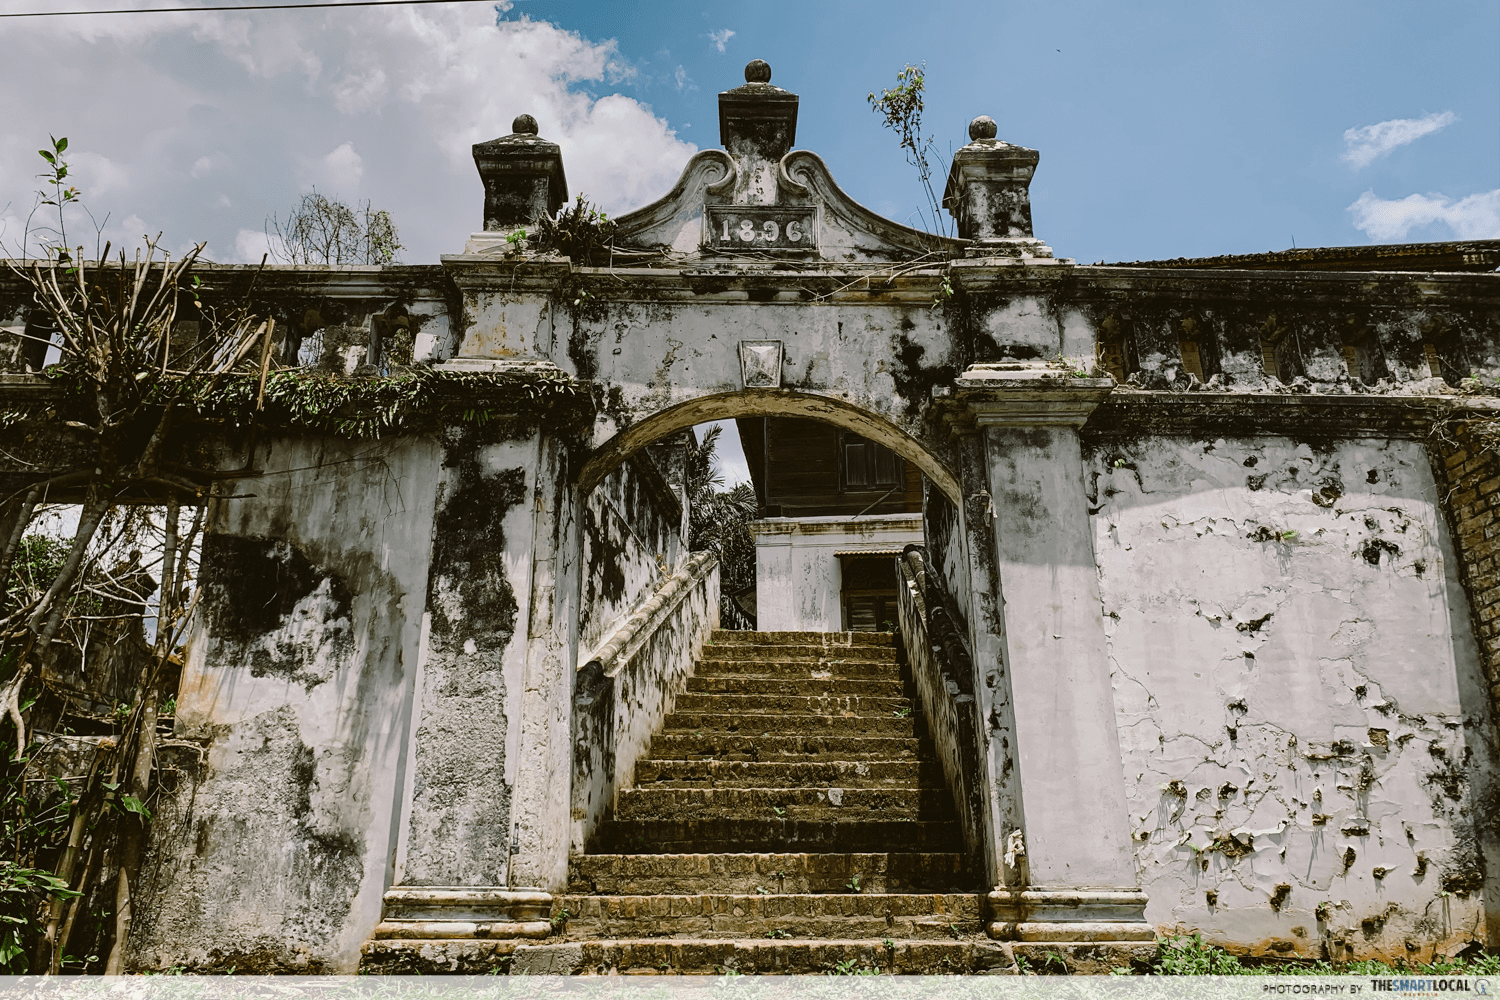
[{"x": 719, "y": 209}]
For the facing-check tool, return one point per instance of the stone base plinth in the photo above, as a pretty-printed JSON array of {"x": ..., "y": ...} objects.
[
  {"x": 445, "y": 926},
  {"x": 1068, "y": 915}
]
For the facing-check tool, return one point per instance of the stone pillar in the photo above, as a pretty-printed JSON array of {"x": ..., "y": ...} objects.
[
  {"x": 757, "y": 125},
  {"x": 1078, "y": 865},
  {"x": 472, "y": 869},
  {"x": 986, "y": 623},
  {"x": 522, "y": 175},
  {"x": 544, "y": 751},
  {"x": 989, "y": 194}
]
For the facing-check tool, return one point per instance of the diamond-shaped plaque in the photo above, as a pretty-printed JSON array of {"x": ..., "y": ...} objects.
[{"x": 760, "y": 364}]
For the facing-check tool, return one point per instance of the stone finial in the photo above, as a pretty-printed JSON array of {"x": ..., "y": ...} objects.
[
  {"x": 523, "y": 176},
  {"x": 988, "y": 192},
  {"x": 758, "y": 121}
]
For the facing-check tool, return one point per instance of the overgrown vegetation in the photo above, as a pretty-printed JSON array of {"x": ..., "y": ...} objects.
[
  {"x": 1185, "y": 955},
  {"x": 719, "y": 523},
  {"x": 901, "y": 106},
  {"x": 413, "y": 400},
  {"x": 81, "y": 682},
  {"x": 580, "y": 232},
  {"x": 323, "y": 230}
]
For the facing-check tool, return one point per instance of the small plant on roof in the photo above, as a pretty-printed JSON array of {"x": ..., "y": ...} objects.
[{"x": 580, "y": 232}]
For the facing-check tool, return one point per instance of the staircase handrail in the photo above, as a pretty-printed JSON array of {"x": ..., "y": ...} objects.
[
  {"x": 943, "y": 671},
  {"x": 626, "y": 639}
]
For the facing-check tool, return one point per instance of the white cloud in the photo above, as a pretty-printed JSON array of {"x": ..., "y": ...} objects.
[
  {"x": 104, "y": 176},
  {"x": 201, "y": 166},
  {"x": 405, "y": 92},
  {"x": 1472, "y": 218},
  {"x": 134, "y": 226},
  {"x": 340, "y": 171},
  {"x": 681, "y": 78},
  {"x": 358, "y": 92},
  {"x": 720, "y": 38},
  {"x": 1363, "y": 146},
  {"x": 250, "y": 245}
]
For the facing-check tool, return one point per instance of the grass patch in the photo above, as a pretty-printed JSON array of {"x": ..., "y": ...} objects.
[{"x": 1185, "y": 955}]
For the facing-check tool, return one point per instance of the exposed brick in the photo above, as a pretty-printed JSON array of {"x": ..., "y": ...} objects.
[{"x": 1455, "y": 458}]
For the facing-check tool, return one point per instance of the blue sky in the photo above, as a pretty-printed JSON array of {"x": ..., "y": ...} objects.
[{"x": 1166, "y": 129}]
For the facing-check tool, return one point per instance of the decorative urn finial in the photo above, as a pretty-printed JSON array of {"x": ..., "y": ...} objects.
[
  {"x": 988, "y": 190},
  {"x": 523, "y": 176},
  {"x": 983, "y": 127},
  {"x": 757, "y": 121}
]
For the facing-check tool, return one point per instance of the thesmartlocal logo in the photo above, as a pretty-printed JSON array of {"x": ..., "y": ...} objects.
[{"x": 1432, "y": 986}]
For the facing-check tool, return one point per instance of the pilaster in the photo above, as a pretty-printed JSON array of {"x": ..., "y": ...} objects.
[{"x": 1075, "y": 856}]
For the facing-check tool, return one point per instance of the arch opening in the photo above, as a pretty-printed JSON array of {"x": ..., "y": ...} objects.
[{"x": 766, "y": 403}]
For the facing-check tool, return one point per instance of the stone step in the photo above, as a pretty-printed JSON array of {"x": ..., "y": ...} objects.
[
  {"x": 699, "y": 745},
  {"x": 878, "y": 670},
  {"x": 760, "y": 915},
  {"x": 826, "y": 687},
  {"x": 791, "y": 652},
  {"x": 652, "y": 874},
  {"x": 807, "y": 805},
  {"x": 826, "y": 639},
  {"x": 769, "y": 774},
  {"x": 722, "y": 835},
  {"x": 779, "y": 725},
  {"x": 763, "y": 704},
  {"x": 750, "y": 956}
]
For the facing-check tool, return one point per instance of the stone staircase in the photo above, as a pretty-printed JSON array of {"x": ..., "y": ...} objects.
[{"x": 790, "y": 818}]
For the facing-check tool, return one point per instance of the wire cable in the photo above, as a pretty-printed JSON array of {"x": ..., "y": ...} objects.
[{"x": 258, "y": 6}]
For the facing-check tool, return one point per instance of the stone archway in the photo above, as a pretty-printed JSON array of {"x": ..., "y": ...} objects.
[{"x": 767, "y": 403}]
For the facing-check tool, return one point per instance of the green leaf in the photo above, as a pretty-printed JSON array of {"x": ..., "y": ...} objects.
[
  {"x": 47, "y": 156},
  {"x": 134, "y": 805},
  {"x": 60, "y": 144}
]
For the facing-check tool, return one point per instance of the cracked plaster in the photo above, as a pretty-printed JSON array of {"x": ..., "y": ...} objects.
[{"x": 1292, "y": 682}]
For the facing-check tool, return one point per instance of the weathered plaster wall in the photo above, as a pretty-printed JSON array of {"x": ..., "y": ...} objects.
[
  {"x": 458, "y": 814},
  {"x": 298, "y": 681},
  {"x": 632, "y": 538},
  {"x": 622, "y": 696},
  {"x": 1319, "y": 332},
  {"x": 1310, "y": 756},
  {"x": 797, "y": 571}
]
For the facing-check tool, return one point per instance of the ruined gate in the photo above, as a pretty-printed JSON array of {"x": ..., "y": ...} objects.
[{"x": 1152, "y": 497}]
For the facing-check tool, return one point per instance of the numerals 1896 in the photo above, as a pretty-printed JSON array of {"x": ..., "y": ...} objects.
[{"x": 769, "y": 231}]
